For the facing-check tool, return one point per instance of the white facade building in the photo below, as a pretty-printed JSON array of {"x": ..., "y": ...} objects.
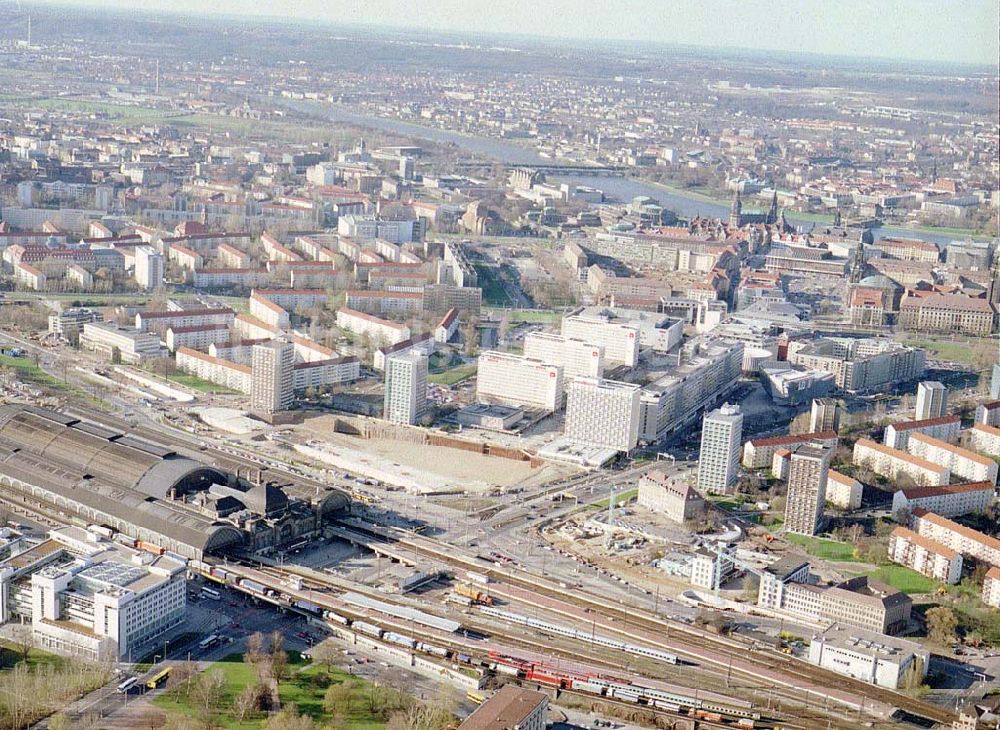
[
  {"x": 874, "y": 658},
  {"x": 272, "y": 387},
  {"x": 961, "y": 462},
  {"x": 131, "y": 346},
  {"x": 380, "y": 331},
  {"x": 843, "y": 491},
  {"x": 932, "y": 400},
  {"x": 718, "y": 462},
  {"x": 516, "y": 380},
  {"x": 603, "y": 413},
  {"x": 808, "y": 472},
  {"x": 405, "y": 398},
  {"x": 620, "y": 339},
  {"x": 576, "y": 357},
  {"x": 149, "y": 267},
  {"x": 925, "y": 556}
]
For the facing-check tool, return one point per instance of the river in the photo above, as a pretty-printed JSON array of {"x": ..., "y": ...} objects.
[{"x": 618, "y": 187}]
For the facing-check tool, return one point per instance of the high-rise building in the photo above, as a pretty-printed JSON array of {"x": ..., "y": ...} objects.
[
  {"x": 825, "y": 415},
  {"x": 272, "y": 385},
  {"x": 721, "y": 434},
  {"x": 807, "y": 475},
  {"x": 405, "y": 387},
  {"x": 603, "y": 413},
  {"x": 619, "y": 338},
  {"x": 932, "y": 400},
  {"x": 516, "y": 380},
  {"x": 576, "y": 357},
  {"x": 995, "y": 382},
  {"x": 148, "y": 267}
]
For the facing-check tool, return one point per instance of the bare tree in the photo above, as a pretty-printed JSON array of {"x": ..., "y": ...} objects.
[
  {"x": 290, "y": 719},
  {"x": 207, "y": 691},
  {"x": 278, "y": 656}
]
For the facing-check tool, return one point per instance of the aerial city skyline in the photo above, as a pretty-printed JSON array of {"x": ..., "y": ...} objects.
[{"x": 488, "y": 366}]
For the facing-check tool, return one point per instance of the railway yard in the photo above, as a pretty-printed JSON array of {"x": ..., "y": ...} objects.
[{"x": 485, "y": 618}]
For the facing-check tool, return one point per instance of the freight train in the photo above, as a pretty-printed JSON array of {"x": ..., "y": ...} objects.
[{"x": 706, "y": 705}]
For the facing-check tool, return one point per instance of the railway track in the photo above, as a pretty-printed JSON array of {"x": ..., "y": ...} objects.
[{"x": 639, "y": 619}]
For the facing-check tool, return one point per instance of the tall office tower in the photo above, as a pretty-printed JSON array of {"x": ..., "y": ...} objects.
[
  {"x": 825, "y": 415},
  {"x": 721, "y": 433},
  {"x": 932, "y": 400},
  {"x": 272, "y": 376},
  {"x": 603, "y": 413},
  {"x": 516, "y": 380},
  {"x": 807, "y": 475},
  {"x": 148, "y": 267},
  {"x": 405, "y": 388}
]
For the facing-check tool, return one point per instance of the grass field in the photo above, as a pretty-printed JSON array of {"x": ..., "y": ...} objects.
[
  {"x": 455, "y": 375},
  {"x": 620, "y": 499},
  {"x": 305, "y": 686},
  {"x": 199, "y": 384},
  {"x": 960, "y": 352},
  {"x": 543, "y": 316},
  {"x": 493, "y": 292},
  {"x": 825, "y": 549},
  {"x": 31, "y": 373},
  {"x": 904, "y": 579}
]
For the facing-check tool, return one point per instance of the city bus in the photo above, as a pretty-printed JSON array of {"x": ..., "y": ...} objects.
[
  {"x": 475, "y": 697},
  {"x": 127, "y": 685},
  {"x": 208, "y": 642},
  {"x": 154, "y": 681},
  {"x": 211, "y": 593}
]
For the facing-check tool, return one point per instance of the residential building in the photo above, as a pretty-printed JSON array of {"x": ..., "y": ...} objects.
[
  {"x": 603, "y": 413},
  {"x": 908, "y": 249},
  {"x": 268, "y": 312},
  {"x": 447, "y": 327},
  {"x": 228, "y": 278},
  {"x": 932, "y": 400},
  {"x": 149, "y": 267},
  {"x": 273, "y": 380},
  {"x": 985, "y": 439},
  {"x": 69, "y": 322},
  {"x": 218, "y": 370},
  {"x": 576, "y": 357},
  {"x": 324, "y": 373},
  {"x": 825, "y": 415},
  {"x": 948, "y": 501},
  {"x": 84, "y": 595},
  {"x": 870, "y": 656},
  {"x": 675, "y": 499},
  {"x": 515, "y": 380},
  {"x": 29, "y": 276},
  {"x": 759, "y": 453},
  {"x": 892, "y": 463},
  {"x": 405, "y": 388},
  {"x": 385, "y": 302},
  {"x": 958, "y": 537},
  {"x": 808, "y": 472},
  {"x": 961, "y": 462},
  {"x": 511, "y": 708},
  {"x": 128, "y": 345},
  {"x": 843, "y": 491},
  {"x": 989, "y": 413},
  {"x": 423, "y": 344},
  {"x": 925, "y": 556},
  {"x": 197, "y": 337},
  {"x": 991, "y": 587},
  {"x": 160, "y": 321},
  {"x": 380, "y": 331},
  {"x": 945, "y": 428},
  {"x": 620, "y": 339},
  {"x": 718, "y": 462}
]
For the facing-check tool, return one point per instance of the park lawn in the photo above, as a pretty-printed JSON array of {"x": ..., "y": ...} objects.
[
  {"x": 959, "y": 352},
  {"x": 200, "y": 384},
  {"x": 298, "y": 688},
  {"x": 493, "y": 291},
  {"x": 620, "y": 499},
  {"x": 455, "y": 375},
  {"x": 31, "y": 373},
  {"x": 825, "y": 549},
  {"x": 905, "y": 580}
]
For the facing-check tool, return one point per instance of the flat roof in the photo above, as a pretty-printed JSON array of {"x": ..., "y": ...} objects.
[{"x": 505, "y": 710}]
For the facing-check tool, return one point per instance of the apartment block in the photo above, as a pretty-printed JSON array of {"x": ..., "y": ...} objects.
[
  {"x": 272, "y": 384},
  {"x": 718, "y": 461},
  {"x": 515, "y": 380},
  {"x": 160, "y": 321},
  {"x": 385, "y": 302},
  {"x": 925, "y": 556},
  {"x": 843, "y": 491},
  {"x": 218, "y": 278},
  {"x": 675, "y": 499},
  {"x": 945, "y": 428},
  {"x": 824, "y": 415},
  {"x": 948, "y": 501},
  {"x": 149, "y": 268},
  {"x": 759, "y": 453},
  {"x": 988, "y": 414},
  {"x": 423, "y": 344},
  {"x": 932, "y": 400},
  {"x": 808, "y": 472},
  {"x": 405, "y": 388},
  {"x": 991, "y": 587},
  {"x": 892, "y": 463},
  {"x": 228, "y": 374},
  {"x": 380, "y": 331},
  {"x": 603, "y": 413},
  {"x": 961, "y": 462},
  {"x": 197, "y": 337},
  {"x": 268, "y": 312},
  {"x": 985, "y": 439},
  {"x": 620, "y": 339},
  {"x": 958, "y": 537}
]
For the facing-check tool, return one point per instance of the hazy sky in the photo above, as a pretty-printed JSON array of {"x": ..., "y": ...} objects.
[{"x": 938, "y": 30}]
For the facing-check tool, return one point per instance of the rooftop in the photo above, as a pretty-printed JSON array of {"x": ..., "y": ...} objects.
[{"x": 505, "y": 710}]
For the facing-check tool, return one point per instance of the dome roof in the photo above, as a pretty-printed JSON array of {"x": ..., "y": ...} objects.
[
  {"x": 879, "y": 281},
  {"x": 265, "y": 499}
]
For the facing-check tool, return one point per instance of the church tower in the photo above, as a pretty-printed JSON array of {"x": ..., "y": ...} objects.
[
  {"x": 772, "y": 213},
  {"x": 736, "y": 212}
]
